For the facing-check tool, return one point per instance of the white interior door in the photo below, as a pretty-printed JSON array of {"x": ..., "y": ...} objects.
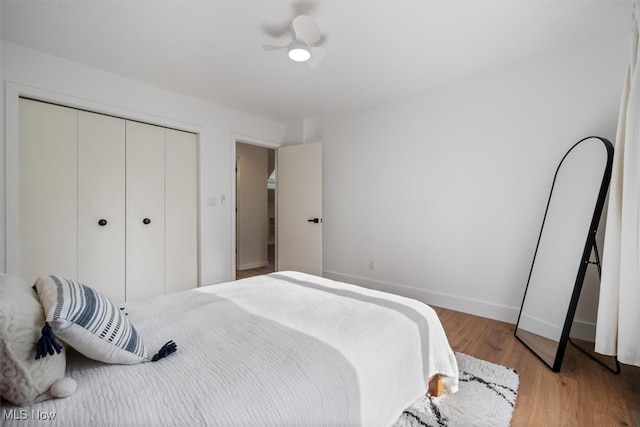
[
  {"x": 48, "y": 190},
  {"x": 299, "y": 204},
  {"x": 145, "y": 223},
  {"x": 101, "y": 209}
]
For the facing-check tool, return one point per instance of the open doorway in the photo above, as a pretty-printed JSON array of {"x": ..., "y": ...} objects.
[{"x": 255, "y": 210}]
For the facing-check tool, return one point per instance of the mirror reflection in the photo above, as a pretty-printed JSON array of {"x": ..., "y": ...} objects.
[{"x": 564, "y": 245}]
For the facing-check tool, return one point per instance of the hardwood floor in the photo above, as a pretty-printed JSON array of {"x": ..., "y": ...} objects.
[
  {"x": 243, "y": 274},
  {"x": 581, "y": 394}
]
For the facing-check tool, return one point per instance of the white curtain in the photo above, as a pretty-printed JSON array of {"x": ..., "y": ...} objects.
[{"x": 618, "y": 325}]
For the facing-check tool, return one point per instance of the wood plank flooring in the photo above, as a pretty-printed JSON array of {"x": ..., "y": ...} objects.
[
  {"x": 258, "y": 271},
  {"x": 581, "y": 394}
]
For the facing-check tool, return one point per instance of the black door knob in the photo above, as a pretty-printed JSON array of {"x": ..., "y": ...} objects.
[
  {"x": 102, "y": 222},
  {"x": 146, "y": 221}
]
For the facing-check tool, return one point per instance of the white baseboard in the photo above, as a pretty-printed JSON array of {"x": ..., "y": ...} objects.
[
  {"x": 253, "y": 265},
  {"x": 452, "y": 302},
  {"x": 581, "y": 329}
]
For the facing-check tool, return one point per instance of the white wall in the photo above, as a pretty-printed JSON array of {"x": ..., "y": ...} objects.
[
  {"x": 446, "y": 192},
  {"x": 54, "y": 79}
]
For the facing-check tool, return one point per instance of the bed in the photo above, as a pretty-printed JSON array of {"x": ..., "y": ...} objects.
[{"x": 282, "y": 349}]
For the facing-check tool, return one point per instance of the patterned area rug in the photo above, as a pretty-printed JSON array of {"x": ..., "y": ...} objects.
[{"x": 486, "y": 397}]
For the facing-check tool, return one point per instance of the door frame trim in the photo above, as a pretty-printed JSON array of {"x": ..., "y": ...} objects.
[{"x": 245, "y": 139}]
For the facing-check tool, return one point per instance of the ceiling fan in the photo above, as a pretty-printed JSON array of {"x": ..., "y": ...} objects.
[{"x": 305, "y": 41}]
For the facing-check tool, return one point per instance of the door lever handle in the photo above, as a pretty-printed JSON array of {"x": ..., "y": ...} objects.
[{"x": 315, "y": 220}]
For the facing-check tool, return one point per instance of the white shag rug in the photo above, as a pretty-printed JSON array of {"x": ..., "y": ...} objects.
[{"x": 486, "y": 397}]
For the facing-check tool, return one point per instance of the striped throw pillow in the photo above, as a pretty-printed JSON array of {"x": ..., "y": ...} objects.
[{"x": 89, "y": 322}]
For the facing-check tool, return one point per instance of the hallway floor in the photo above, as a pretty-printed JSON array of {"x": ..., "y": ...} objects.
[{"x": 269, "y": 268}]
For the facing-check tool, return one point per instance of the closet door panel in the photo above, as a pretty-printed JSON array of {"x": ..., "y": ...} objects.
[
  {"x": 48, "y": 190},
  {"x": 145, "y": 220},
  {"x": 181, "y": 208},
  {"x": 101, "y": 203}
]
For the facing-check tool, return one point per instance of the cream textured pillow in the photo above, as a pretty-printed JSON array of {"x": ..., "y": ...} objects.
[
  {"x": 23, "y": 379},
  {"x": 90, "y": 323}
]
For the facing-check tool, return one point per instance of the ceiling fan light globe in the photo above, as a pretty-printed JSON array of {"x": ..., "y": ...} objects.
[{"x": 299, "y": 53}]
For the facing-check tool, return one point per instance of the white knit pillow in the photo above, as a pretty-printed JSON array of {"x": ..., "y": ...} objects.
[{"x": 23, "y": 378}]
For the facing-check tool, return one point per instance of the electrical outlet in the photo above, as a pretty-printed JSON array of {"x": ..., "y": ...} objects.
[{"x": 371, "y": 265}]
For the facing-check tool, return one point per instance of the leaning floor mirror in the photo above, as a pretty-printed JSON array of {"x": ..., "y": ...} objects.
[{"x": 565, "y": 244}]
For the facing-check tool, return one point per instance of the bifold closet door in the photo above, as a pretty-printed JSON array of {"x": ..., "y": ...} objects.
[
  {"x": 145, "y": 219},
  {"x": 181, "y": 207},
  {"x": 110, "y": 202},
  {"x": 47, "y": 190},
  {"x": 101, "y": 203}
]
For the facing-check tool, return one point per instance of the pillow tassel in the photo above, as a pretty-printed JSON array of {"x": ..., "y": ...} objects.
[
  {"x": 166, "y": 350},
  {"x": 47, "y": 343}
]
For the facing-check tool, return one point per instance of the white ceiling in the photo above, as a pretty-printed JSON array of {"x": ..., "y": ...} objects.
[{"x": 377, "y": 51}]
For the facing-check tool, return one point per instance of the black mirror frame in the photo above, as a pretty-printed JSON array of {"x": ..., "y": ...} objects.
[{"x": 590, "y": 244}]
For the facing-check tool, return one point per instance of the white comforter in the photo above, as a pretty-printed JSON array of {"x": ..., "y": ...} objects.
[{"x": 284, "y": 349}]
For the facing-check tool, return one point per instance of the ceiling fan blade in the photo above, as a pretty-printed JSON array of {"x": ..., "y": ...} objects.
[
  {"x": 277, "y": 30},
  {"x": 317, "y": 53},
  {"x": 306, "y": 29},
  {"x": 269, "y": 47},
  {"x": 303, "y": 7},
  {"x": 321, "y": 41}
]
